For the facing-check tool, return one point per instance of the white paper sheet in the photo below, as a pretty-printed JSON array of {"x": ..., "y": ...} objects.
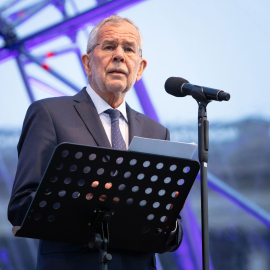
[{"x": 161, "y": 147}]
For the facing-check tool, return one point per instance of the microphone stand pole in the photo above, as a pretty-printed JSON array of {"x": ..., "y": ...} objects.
[{"x": 203, "y": 145}]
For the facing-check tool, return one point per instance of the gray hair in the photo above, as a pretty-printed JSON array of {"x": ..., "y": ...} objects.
[{"x": 115, "y": 20}]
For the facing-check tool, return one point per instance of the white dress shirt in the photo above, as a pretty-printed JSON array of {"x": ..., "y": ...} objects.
[{"x": 101, "y": 106}]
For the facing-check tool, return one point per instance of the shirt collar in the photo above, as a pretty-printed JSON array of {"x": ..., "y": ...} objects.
[{"x": 101, "y": 105}]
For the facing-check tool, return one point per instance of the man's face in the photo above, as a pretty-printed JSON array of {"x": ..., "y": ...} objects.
[{"x": 115, "y": 72}]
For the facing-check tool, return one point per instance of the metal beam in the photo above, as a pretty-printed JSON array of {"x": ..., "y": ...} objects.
[
  {"x": 45, "y": 87},
  {"x": 231, "y": 194},
  {"x": 29, "y": 12},
  {"x": 25, "y": 79},
  {"x": 51, "y": 71},
  {"x": 71, "y": 25},
  {"x": 145, "y": 100},
  {"x": 8, "y": 4}
]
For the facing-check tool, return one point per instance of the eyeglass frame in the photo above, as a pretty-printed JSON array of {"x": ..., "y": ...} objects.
[{"x": 139, "y": 51}]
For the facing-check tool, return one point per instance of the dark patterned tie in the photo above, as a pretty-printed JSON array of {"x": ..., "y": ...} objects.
[{"x": 116, "y": 135}]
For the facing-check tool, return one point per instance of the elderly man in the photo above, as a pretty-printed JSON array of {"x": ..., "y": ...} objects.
[{"x": 98, "y": 116}]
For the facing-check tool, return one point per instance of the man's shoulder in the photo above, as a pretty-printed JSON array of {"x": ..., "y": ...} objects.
[{"x": 57, "y": 102}]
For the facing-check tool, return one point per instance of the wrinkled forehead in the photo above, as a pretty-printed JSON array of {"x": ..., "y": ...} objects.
[{"x": 118, "y": 32}]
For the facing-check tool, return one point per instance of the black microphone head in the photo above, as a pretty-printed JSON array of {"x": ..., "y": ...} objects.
[{"x": 173, "y": 86}]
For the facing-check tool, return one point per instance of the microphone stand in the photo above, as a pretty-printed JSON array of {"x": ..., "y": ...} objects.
[{"x": 203, "y": 143}]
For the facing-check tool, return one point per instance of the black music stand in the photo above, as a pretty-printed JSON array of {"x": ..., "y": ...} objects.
[{"x": 88, "y": 191}]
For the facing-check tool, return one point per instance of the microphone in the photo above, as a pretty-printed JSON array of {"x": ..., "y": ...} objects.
[{"x": 180, "y": 87}]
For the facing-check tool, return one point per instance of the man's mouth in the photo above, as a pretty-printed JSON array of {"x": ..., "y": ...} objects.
[{"x": 117, "y": 72}]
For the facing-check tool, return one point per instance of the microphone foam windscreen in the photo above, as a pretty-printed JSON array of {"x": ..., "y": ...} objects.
[{"x": 173, "y": 86}]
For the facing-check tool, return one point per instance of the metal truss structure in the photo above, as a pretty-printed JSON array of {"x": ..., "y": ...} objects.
[{"x": 189, "y": 255}]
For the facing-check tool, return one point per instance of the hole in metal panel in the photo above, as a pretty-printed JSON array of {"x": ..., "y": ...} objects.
[
  {"x": 180, "y": 182},
  {"x": 89, "y": 196},
  {"x": 51, "y": 218},
  {"x": 127, "y": 174},
  {"x": 160, "y": 165},
  {"x": 140, "y": 176},
  {"x": 100, "y": 171},
  {"x": 48, "y": 191},
  {"x": 173, "y": 167},
  {"x": 161, "y": 192},
  {"x": 150, "y": 217},
  {"x": 108, "y": 185},
  {"x": 92, "y": 157},
  {"x": 81, "y": 182},
  {"x": 119, "y": 160},
  {"x": 54, "y": 179},
  {"x": 102, "y": 198},
  {"x": 76, "y": 195},
  {"x": 62, "y": 193},
  {"x": 106, "y": 158},
  {"x": 116, "y": 199},
  {"x": 64, "y": 153},
  {"x": 133, "y": 162},
  {"x": 186, "y": 169},
  {"x": 73, "y": 168},
  {"x": 156, "y": 204},
  {"x": 148, "y": 190},
  {"x": 114, "y": 173},
  {"x": 59, "y": 166},
  {"x": 56, "y": 205},
  {"x": 143, "y": 203},
  {"x": 146, "y": 164},
  {"x": 95, "y": 184},
  {"x": 42, "y": 204},
  {"x": 135, "y": 189},
  {"x": 154, "y": 178},
  {"x": 78, "y": 155},
  {"x": 167, "y": 180},
  {"x": 163, "y": 219},
  {"x": 158, "y": 231},
  {"x": 175, "y": 194},
  {"x": 122, "y": 187},
  {"x": 87, "y": 169},
  {"x": 169, "y": 206},
  {"x": 67, "y": 180},
  {"x": 145, "y": 229},
  {"x": 37, "y": 216},
  {"x": 129, "y": 201}
]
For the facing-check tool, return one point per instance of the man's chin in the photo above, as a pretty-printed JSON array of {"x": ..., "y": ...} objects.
[{"x": 116, "y": 87}]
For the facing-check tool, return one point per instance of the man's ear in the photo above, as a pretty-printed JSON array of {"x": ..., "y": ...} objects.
[
  {"x": 142, "y": 67},
  {"x": 86, "y": 64}
]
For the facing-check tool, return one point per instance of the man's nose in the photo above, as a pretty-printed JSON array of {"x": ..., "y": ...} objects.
[{"x": 118, "y": 54}]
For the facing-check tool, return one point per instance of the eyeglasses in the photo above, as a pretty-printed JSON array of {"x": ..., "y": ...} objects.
[{"x": 130, "y": 50}]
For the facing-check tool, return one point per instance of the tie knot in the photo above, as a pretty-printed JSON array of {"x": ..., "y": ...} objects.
[{"x": 114, "y": 114}]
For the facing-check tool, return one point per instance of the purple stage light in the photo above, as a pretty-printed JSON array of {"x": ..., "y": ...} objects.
[
  {"x": 145, "y": 101},
  {"x": 6, "y": 55},
  {"x": 238, "y": 199},
  {"x": 189, "y": 254},
  {"x": 45, "y": 88}
]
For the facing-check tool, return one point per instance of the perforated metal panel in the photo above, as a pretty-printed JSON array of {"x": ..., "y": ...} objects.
[{"x": 146, "y": 193}]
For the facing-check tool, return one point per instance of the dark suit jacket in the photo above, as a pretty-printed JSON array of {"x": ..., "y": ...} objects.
[{"x": 48, "y": 123}]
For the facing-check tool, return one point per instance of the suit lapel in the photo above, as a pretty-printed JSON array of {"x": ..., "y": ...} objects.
[
  {"x": 88, "y": 113},
  {"x": 134, "y": 122}
]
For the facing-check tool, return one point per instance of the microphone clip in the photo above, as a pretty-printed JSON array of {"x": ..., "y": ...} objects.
[{"x": 198, "y": 94}]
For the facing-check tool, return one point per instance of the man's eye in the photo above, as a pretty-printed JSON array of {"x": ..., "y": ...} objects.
[
  {"x": 109, "y": 48},
  {"x": 129, "y": 50}
]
